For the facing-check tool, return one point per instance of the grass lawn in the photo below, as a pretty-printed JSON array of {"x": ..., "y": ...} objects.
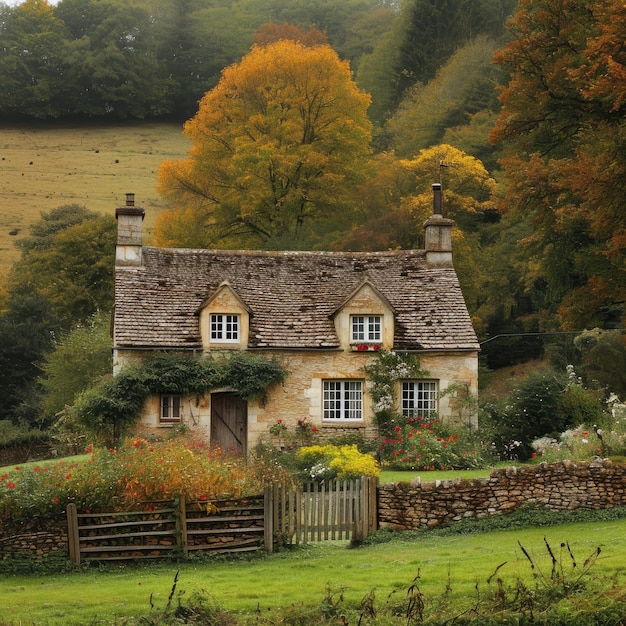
[
  {"x": 45, "y": 166},
  {"x": 303, "y": 576}
]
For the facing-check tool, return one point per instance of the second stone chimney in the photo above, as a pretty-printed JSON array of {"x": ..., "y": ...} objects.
[
  {"x": 438, "y": 233},
  {"x": 129, "y": 231}
]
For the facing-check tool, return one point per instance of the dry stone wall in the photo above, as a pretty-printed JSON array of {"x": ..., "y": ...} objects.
[{"x": 560, "y": 486}]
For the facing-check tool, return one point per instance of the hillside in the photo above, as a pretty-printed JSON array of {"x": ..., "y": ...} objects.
[{"x": 42, "y": 167}]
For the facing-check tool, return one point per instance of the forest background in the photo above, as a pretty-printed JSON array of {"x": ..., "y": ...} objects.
[{"x": 516, "y": 107}]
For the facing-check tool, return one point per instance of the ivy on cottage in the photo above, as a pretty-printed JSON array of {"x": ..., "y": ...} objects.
[{"x": 108, "y": 409}]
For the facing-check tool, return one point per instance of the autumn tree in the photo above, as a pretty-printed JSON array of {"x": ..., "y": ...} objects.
[
  {"x": 270, "y": 33},
  {"x": 563, "y": 130},
  {"x": 279, "y": 147}
]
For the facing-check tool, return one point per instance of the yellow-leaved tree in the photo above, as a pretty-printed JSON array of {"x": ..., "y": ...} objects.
[{"x": 280, "y": 146}]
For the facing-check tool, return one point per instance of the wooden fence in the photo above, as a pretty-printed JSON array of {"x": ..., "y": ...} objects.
[
  {"x": 166, "y": 529},
  {"x": 281, "y": 516},
  {"x": 320, "y": 512}
]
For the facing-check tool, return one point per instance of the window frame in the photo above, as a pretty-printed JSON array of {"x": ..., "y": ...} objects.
[
  {"x": 424, "y": 401},
  {"x": 371, "y": 331},
  {"x": 174, "y": 404},
  {"x": 343, "y": 404},
  {"x": 224, "y": 320}
]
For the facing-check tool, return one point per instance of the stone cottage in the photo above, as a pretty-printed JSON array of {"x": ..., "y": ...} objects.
[{"x": 323, "y": 315}]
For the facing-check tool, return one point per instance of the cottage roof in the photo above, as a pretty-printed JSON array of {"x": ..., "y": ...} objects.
[{"x": 291, "y": 297}]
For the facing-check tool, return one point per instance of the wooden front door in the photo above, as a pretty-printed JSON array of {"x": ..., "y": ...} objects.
[{"x": 229, "y": 422}]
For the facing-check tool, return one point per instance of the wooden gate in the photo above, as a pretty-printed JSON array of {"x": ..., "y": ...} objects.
[
  {"x": 229, "y": 422},
  {"x": 320, "y": 512}
]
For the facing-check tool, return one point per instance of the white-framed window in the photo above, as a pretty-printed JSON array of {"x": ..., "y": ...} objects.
[
  {"x": 343, "y": 400},
  {"x": 366, "y": 328},
  {"x": 171, "y": 408},
  {"x": 419, "y": 398},
  {"x": 225, "y": 328}
]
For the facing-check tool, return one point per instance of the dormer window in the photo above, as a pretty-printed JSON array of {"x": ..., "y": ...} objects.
[
  {"x": 225, "y": 328},
  {"x": 366, "y": 329}
]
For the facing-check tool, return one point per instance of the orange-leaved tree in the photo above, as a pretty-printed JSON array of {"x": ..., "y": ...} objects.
[
  {"x": 563, "y": 128},
  {"x": 279, "y": 148}
]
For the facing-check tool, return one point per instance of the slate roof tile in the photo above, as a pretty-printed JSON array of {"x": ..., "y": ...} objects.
[{"x": 291, "y": 297}]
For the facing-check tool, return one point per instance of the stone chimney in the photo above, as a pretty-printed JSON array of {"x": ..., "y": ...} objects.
[
  {"x": 438, "y": 233},
  {"x": 129, "y": 226}
]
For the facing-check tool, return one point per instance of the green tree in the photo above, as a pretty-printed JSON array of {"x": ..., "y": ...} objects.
[
  {"x": 32, "y": 60},
  {"x": 113, "y": 66},
  {"x": 68, "y": 260},
  {"x": 27, "y": 331},
  {"x": 463, "y": 87},
  {"x": 279, "y": 147},
  {"x": 79, "y": 358}
]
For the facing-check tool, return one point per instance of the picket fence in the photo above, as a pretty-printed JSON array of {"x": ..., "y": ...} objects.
[{"x": 281, "y": 516}]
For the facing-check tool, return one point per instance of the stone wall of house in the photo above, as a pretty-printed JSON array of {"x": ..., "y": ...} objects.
[
  {"x": 560, "y": 486},
  {"x": 301, "y": 396}
]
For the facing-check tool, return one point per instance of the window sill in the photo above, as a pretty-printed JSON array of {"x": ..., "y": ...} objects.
[{"x": 365, "y": 347}]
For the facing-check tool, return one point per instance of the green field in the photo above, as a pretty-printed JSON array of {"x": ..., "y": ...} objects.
[
  {"x": 303, "y": 577},
  {"x": 42, "y": 167}
]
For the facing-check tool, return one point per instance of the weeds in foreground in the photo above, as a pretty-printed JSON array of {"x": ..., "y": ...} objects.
[{"x": 564, "y": 593}]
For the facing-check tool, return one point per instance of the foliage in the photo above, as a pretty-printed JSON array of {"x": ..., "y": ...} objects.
[
  {"x": 462, "y": 88},
  {"x": 12, "y": 435},
  {"x": 328, "y": 462},
  {"x": 108, "y": 409},
  {"x": 562, "y": 130},
  {"x": 68, "y": 260},
  {"x": 603, "y": 360},
  {"x": 123, "y": 478},
  {"x": 79, "y": 359},
  {"x": 531, "y": 411},
  {"x": 420, "y": 444},
  {"x": 278, "y": 148}
]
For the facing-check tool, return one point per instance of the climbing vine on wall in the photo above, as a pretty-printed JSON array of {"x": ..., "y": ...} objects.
[
  {"x": 108, "y": 409},
  {"x": 385, "y": 372}
]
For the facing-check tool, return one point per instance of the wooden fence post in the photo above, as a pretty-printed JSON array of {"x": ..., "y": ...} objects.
[
  {"x": 73, "y": 539},
  {"x": 268, "y": 519},
  {"x": 181, "y": 525}
]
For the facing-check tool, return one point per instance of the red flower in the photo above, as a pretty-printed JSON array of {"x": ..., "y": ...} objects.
[
  {"x": 87, "y": 511},
  {"x": 314, "y": 429},
  {"x": 11, "y": 486},
  {"x": 279, "y": 421},
  {"x": 203, "y": 497},
  {"x": 17, "y": 467},
  {"x": 56, "y": 501},
  {"x": 68, "y": 476},
  {"x": 36, "y": 469}
]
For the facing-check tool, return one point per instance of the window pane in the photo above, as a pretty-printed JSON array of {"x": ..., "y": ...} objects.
[
  {"x": 225, "y": 327},
  {"x": 343, "y": 400},
  {"x": 419, "y": 399},
  {"x": 216, "y": 326},
  {"x": 374, "y": 328},
  {"x": 358, "y": 328}
]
